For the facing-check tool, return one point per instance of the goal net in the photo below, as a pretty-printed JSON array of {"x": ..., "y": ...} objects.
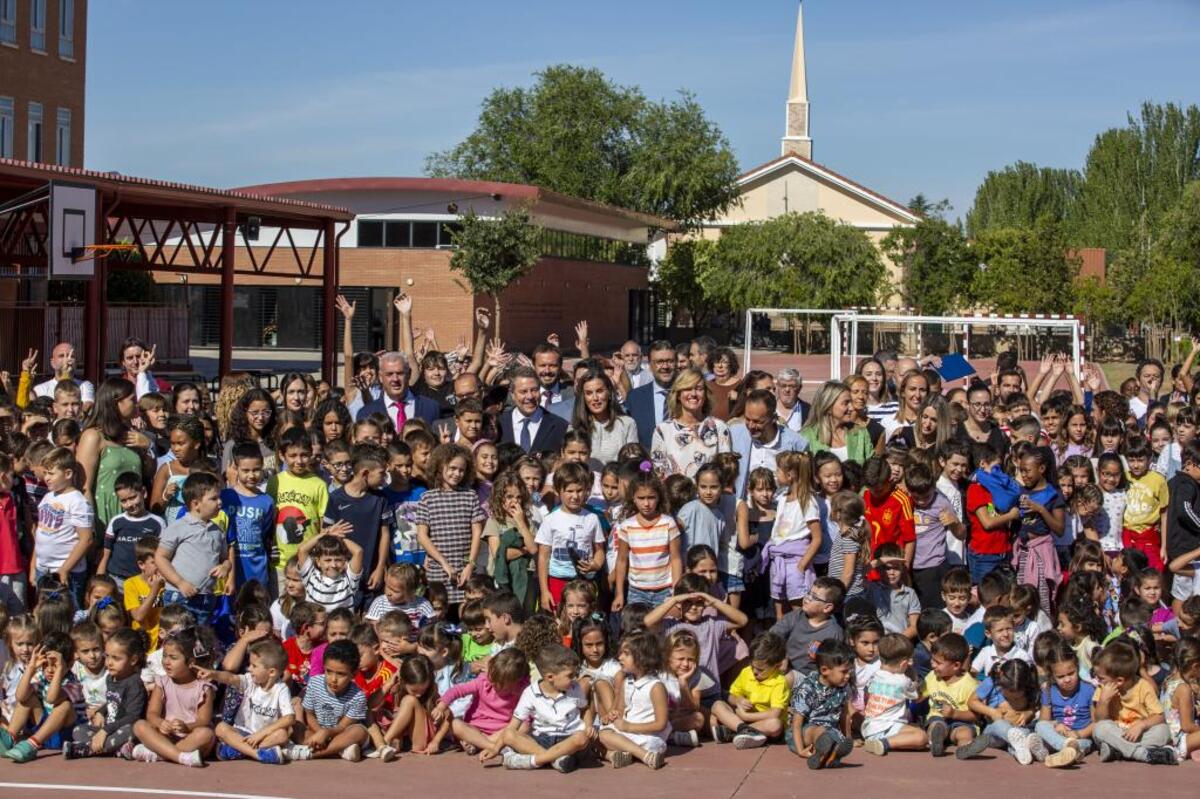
[
  {"x": 979, "y": 339},
  {"x": 801, "y": 338}
]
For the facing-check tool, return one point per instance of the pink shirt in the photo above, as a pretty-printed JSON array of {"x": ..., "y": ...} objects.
[
  {"x": 489, "y": 711},
  {"x": 11, "y": 559}
]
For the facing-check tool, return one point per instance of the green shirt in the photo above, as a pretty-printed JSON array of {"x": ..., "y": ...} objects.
[{"x": 472, "y": 651}]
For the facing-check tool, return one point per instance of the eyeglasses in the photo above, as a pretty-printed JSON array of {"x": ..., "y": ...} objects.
[
  {"x": 259, "y": 414},
  {"x": 339, "y": 465},
  {"x": 811, "y": 597},
  {"x": 980, "y": 406}
]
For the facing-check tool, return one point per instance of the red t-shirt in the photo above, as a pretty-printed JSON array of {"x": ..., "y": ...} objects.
[
  {"x": 298, "y": 662},
  {"x": 981, "y": 541},
  {"x": 891, "y": 520}
]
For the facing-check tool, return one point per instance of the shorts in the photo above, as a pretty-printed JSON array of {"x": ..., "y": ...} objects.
[
  {"x": 788, "y": 582},
  {"x": 734, "y": 584},
  {"x": 1182, "y": 585},
  {"x": 548, "y": 740},
  {"x": 651, "y": 743},
  {"x": 790, "y": 740},
  {"x": 875, "y": 730}
]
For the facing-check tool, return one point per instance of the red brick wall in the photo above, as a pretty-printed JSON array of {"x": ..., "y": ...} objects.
[{"x": 46, "y": 78}]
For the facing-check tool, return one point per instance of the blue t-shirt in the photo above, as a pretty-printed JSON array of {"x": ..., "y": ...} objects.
[
  {"x": 1032, "y": 524},
  {"x": 1073, "y": 712},
  {"x": 989, "y": 692},
  {"x": 403, "y": 505},
  {"x": 251, "y": 532}
]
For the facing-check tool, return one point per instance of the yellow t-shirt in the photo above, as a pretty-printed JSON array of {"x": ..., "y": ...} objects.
[
  {"x": 1139, "y": 702},
  {"x": 769, "y": 694},
  {"x": 299, "y": 505},
  {"x": 951, "y": 693},
  {"x": 1145, "y": 501},
  {"x": 136, "y": 591}
]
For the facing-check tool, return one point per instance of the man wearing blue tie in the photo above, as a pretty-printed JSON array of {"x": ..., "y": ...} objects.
[
  {"x": 648, "y": 404},
  {"x": 527, "y": 423}
]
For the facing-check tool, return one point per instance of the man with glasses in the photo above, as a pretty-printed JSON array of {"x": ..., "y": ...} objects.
[
  {"x": 793, "y": 411},
  {"x": 760, "y": 440},
  {"x": 631, "y": 357},
  {"x": 648, "y": 404},
  {"x": 978, "y": 426}
]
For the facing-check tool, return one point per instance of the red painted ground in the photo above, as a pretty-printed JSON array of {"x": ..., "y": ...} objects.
[{"x": 705, "y": 773}]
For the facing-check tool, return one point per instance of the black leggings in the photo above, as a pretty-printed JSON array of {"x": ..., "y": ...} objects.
[{"x": 84, "y": 733}]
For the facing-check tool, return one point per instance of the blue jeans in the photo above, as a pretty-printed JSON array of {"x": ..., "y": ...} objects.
[
  {"x": 1054, "y": 741},
  {"x": 651, "y": 598},
  {"x": 201, "y": 606},
  {"x": 979, "y": 564},
  {"x": 998, "y": 731}
]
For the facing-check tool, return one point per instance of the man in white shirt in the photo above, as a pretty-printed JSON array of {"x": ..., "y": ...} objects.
[
  {"x": 793, "y": 411},
  {"x": 527, "y": 424},
  {"x": 62, "y": 363},
  {"x": 631, "y": 357},
  {"x": 136, "y": 360},
  {"x": 398, "y": 402}
]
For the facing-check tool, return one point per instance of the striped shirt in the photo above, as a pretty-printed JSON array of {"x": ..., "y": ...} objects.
[
  {"x": 649, "y": 551},
  {"x": 418, "y": 610},
  {"x": 329, "y": 592},
  {"x": 329, "y": 707},
  {"x": 884, "y": 410}
]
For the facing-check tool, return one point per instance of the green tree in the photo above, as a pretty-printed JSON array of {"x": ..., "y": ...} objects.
[
  {"x": 1024, "y": 270},
  {"x": 492, "y": 253},
  {"x": 576, "y": 132},
  {"x": 796, "y": 260},
  {"x": 1096, "y": 302},
  {"x": 937, "y": 266},
  {"x": 677, "y": 278},
  {"x": 1021, "y": 194},
  {"x": 926, "y": 207}
]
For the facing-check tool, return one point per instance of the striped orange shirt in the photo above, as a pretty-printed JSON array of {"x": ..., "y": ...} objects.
[{"x": 649, "y": 551}]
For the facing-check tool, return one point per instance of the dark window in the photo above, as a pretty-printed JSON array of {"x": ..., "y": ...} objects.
[
  {"x": 370, "y": 233},
  {"x": 424, "y": 234},
  {"x": 399, "y": 234},
  {"x": 446, "y": 231}
]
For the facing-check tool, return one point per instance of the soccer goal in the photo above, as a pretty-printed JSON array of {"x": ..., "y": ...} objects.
[
  {"x": 855, "y": 336},
  {"x": 798, "y": 337}
]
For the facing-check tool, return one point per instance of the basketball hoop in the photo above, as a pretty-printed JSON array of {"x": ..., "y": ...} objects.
[{"x": 93, "y": 252}]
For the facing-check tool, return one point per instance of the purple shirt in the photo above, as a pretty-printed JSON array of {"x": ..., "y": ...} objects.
[
  {"x": 931, "y": 533},
  {"x": 709, "y": 631}
]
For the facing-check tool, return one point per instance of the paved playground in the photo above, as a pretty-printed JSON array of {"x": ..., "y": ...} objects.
[{"x": 705, "y": 773}]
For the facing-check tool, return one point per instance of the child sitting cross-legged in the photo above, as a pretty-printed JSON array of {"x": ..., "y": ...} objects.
[
  {"x": 886, "y": 717},
  {"x": 949, "y": 688},
  {"x": 264, "y": 719},
  {"x": 48, "y": 688},
  {"x": 335, "y": 709},
  {"x": 1130, "y": 723},
  {"x": 109, "y": 729},
  {"x": 820, "y": 723},
  {"x": 758, "y": 698},
  {"x": 553, "y": 721},
  {"x": 179, "y": 715},
  {"x": 495, "y": 694}
]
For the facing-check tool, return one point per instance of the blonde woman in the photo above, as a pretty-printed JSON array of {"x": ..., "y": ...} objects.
[
  {"x": 692, "y": 435},
  {"x": 832, "y": 425},
  {"x": 914, "y": 388}
]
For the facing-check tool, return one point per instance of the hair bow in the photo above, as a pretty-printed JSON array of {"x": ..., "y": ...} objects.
[
  {"x": 53, "y": 596},
  {"x": 645, "y": 466},
  {"x": 598, "y": 616},
  {"x": 449, "y": 628},
  {"x": 104, "y": 602}
]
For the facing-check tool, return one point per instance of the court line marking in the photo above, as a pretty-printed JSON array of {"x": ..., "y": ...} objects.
[{"x": 123, "y": 789}]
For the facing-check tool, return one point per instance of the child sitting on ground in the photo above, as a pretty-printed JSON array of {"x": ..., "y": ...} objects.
[
  {"x": 887, "y": 720},
  {"x": 335, "y": 709},
  {"x": 820, "y": 726},
  {"x": 758, "y": 699},
  {"x": 949, "y": 687},
  {"x": 1130, "y": 723},
  {"x": 553, "y": 721},
  {"x": 264, "y": 717}
]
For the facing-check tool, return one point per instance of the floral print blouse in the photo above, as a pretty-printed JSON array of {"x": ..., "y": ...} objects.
[{"x": 679, "y": 449}]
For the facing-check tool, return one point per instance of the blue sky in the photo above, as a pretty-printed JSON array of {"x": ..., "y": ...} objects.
[{"x": 922, "y": 96}]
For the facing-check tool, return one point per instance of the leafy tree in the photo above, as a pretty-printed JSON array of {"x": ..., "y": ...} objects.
[
  {"x": 576, "y": 132},
  {"x": 937, "y": 266},
  {"x": 1024, "y": 270},
  {"x": 928, "y": 208},
  {"x": 1096, "y": 302},
  {"x": 492, "y": 253},
  {"x": 796, "y": 260},
  {"x": 677, "y": 278},
  {"x": 1021, "y": 194}
]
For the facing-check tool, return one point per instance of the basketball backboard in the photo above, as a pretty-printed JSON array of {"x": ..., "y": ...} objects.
[{"x": 72, "y": 228}]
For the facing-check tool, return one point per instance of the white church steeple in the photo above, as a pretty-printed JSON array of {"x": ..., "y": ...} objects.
[{"x": 796, "y": 139}]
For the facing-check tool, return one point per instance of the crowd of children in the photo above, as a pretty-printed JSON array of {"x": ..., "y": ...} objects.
[{"x": 264, "y": 576}]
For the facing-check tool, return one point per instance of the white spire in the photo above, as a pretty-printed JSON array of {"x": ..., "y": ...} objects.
[{"x": 796, "y": 140}]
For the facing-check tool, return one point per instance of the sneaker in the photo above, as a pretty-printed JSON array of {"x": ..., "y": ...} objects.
[
  {"x": 1037, "y": 748},
  {"x": 937, "y": 731},
  {"x": 1018, "y": 742},
  {"x": 620, "y": 759},
  {"x": 1161, "y": 756},
  {"x": 352, "y": 753},
  {"x": 227, "y": 752},
  {"x": 125, "y": 752},
  {"x": 976, "y": 747},
  {"x": 143, "y": 755},
  {"x": 72, "y": 750},
  {"x": 720, "y": 733},
  {"x": 654, "y": 760},
  {"x": 6, "y": 741},
  {"x": 689, "y": 739},
  {"x": 22, "y": 752},
  {"x": 1107, "y": 753},
  {"x": 823, "y": 751},
  {"x": 385, "y": 753},
  {"x": 515, "y": 760},
  {"x": 190, "y": 759},
  {"x": 875, "y": 747},
  {"x": 271, "y": 755},
  {"x": 747, "y": 737},
  {"x": 565, "y": 764},
  {"x": 1063, "y": 757},
  {"x": 298, "y": 752},
  {"x": 844, "y": 747}
]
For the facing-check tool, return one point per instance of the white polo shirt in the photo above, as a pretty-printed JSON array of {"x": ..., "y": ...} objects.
[{"x": 558, "y": 715}]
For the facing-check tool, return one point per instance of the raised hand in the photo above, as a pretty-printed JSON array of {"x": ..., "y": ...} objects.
[
  {"x": 147, "y": 360},
  {"x": 67, "y": 368},
  {"x": 403, "y": 303},
  {"x": 345, "y": 307},
  {"x": 581, "y": 335},
  {"x": 483, "y": 318},
  {"x": 552, "y": 339},
  {"x": 30, "y": 363},
  {"x": 1047, "y": 364}
]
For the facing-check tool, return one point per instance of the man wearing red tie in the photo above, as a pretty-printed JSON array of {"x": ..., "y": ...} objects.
[{"x": 397, "y": 401}]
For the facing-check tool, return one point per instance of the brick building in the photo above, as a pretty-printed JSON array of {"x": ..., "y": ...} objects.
[
  {"x": 43, "y": 57},
  {"x": 594, "y": 267}
]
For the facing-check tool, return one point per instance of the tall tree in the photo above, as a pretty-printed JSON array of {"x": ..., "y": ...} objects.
[
  {"x": 937, "y": 267},
  {"x": 1021, "y": 194},
  {"x": 492, "y": 253},
  {"x": 677, "y": 278},
  {"x": 796, "y": 260},
  {"x": 576, "y": 132},
  {"x": 926, "y": 207},
  {"x": 1025, "y": 270}
]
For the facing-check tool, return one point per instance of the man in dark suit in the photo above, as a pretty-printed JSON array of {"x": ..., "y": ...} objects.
[
  {"x": 527, "y": 424},
  {"x": 397, "y": 401},
  {"x": 648, "y": 404},
  {"x": 793, "y": 411},
  {"x": 547, "y": 363}
]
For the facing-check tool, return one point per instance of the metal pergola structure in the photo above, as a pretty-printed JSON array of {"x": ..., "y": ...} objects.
[{"x": 175, "y": 228}]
